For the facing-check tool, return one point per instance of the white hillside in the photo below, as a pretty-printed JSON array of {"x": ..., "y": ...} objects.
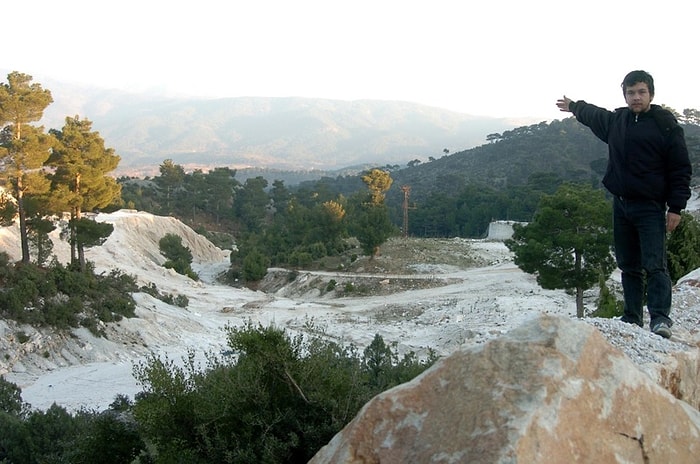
[{"x": 472, "y": 305}]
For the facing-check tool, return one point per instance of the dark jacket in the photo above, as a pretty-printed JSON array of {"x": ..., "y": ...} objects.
[{"x": 647, "y": 154}]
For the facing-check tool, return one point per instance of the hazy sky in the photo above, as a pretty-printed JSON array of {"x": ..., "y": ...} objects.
[{"x": 506, "y": 58}]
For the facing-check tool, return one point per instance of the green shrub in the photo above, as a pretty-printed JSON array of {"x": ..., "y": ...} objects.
[
  {"x": 150, "y": 289},
  {"x": 684, "y": 247},
  {"x": 15, "y": 440},
  {"x": 65, "y": 297},
  {"x": 179, "y": 257},
  {"x": 109, "y": 437},
  {"x": 608, "y": 306},
  {"x": 181, "y": 301},
  {"x": 5, "y": 266},
  {"x": 277, "y": 399},
  {"x": 318, "y": 250},
  {"x": 300, "y": 258},
  {"x": 22, "y": 337},
  {"x": 10, "y": 398},
  {"x": 254, "y": 266}
]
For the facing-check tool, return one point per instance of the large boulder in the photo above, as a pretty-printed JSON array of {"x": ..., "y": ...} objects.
[{"x": 550, "y": 391}]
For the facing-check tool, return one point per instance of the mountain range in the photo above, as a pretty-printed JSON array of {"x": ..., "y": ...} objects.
[{"x": 293, "y": 134}]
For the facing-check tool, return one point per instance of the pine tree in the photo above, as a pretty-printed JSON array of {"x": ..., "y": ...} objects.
[
  {"x": 80, "y": 182},
  {"x": 372, "y": 222},
  {"x": 378, "y": 182},
  {"x": 171, "y": 179},
  {"x": 568, "y": 243},
  {"x": 23, "y": 148}
]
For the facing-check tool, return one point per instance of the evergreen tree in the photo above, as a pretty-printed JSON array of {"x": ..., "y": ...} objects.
[
  {"x": 568, "y": 243},
  {"x": 252, "y": 203},
  {"x": 378, "y": 362},
  {"x": 39, "y": 240},
  {"x": 684, "y": 247},
  {"x": 371, "y": 220},
  {"x": 80, "y": 182},
  {"x": 373, "y": 227},
  {"x": 91, "y": 233},
  {"x": 608, "y": 304},
  {"x": 8, "y": 209},
  {"x": 378, "y": 182},
  {"x": 280, "y": 196},
  {"x": 220, "y": 185},
  {"x": 197, "y": 196},
  {"x": 255, "y": 266},
  {"x": 23, "y": 148},
  {"x": 171, "y": 179}
]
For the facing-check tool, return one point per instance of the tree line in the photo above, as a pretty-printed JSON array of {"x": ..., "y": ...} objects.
[{"x": 272, "y": 225}]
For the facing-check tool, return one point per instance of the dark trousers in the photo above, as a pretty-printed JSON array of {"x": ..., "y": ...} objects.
[{"x": 639, "y": 228}]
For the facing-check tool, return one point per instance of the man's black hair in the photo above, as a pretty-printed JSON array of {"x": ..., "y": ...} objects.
[{"x": 636, "y": 77}]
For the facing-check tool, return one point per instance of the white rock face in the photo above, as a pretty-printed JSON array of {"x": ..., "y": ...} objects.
[{"x": 552, "y": 390}]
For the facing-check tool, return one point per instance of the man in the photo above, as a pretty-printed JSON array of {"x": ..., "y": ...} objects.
[{"x": 648, "y": 175}]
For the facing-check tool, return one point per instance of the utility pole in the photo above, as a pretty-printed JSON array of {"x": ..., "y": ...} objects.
[{"x": 406, "y": 189}]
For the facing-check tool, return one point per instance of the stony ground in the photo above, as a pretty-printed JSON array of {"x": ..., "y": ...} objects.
[{"x": 403, "y": 263}]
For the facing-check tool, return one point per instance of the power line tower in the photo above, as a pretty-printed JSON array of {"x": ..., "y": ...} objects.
[{"x": 406, "y": 189}]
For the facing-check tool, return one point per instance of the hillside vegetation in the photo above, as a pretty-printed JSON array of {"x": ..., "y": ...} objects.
[{"x": 459, "y": 194}]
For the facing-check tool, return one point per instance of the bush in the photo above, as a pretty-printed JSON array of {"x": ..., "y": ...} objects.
[
  {"x": 10, "y": 398},
  {"x": 179, "y": 257},
  {"x": 64, "y": 297},
  {"x": 180, "y": 300},
  {"x": 254, "y": 266},
  {"x": 56, "y": 436},
  {"x": 684, "y": 247},
  {"x": 5, "y": 266},
  {"x": 109, "y": 437},
  {"x": 279, "y": 399},
  {"x": 15, "y": 441},
  {"x": 300, "y": 258},
  {"x": 331, "y": 285}
]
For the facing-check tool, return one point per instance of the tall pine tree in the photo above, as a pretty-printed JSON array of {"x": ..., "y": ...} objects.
[
  {"x": 23, "y": 148},
  {"x": 80, "y": 181}
]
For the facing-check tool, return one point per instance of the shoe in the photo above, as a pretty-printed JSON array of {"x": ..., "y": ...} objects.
[{"x": 662, "y": 329}]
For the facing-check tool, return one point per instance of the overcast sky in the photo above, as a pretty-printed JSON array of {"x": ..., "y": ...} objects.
[{"x": 504, "y": 58}]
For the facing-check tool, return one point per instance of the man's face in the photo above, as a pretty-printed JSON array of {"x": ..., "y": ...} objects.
[{"x": 638, "y": 97}]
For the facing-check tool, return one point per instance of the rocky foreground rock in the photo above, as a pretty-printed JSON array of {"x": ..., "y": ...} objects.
[{"x": 553, "y": 390}]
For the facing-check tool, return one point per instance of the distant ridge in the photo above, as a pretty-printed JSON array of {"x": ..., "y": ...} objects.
[{"x": 280, "y": 133}]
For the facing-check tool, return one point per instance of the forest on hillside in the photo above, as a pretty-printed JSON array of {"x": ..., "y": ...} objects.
[
  {"x": 455, "y": 195},
  {"x": 460, "y": 193}
]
